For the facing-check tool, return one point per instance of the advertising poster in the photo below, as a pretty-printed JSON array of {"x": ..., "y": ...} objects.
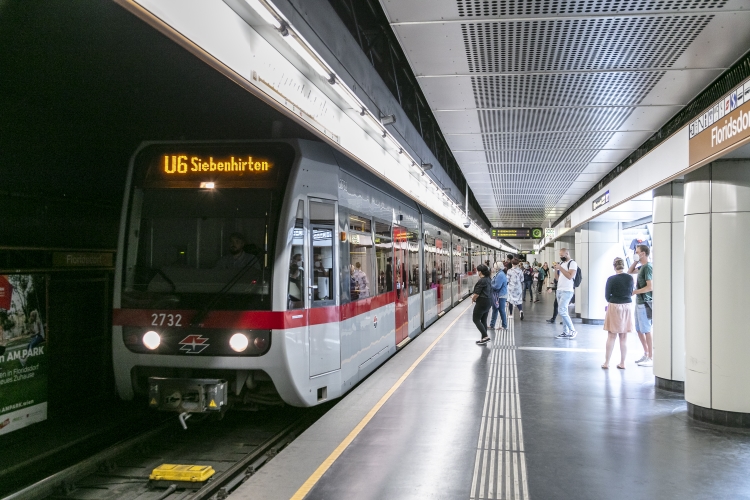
[{"x": 23, "y": 350}]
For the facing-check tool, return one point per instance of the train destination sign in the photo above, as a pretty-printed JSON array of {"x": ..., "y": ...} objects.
[
  {"x": 213, "y": 166},
  {"x": 517, "y": 233}
]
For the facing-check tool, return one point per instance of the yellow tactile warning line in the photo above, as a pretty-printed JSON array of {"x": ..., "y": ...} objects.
[{"x": 315, "y": 476}]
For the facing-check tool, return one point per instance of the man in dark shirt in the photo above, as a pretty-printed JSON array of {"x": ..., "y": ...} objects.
[
  {"x": 643, "y": 303},
  {"x": 528, "y": 281}
]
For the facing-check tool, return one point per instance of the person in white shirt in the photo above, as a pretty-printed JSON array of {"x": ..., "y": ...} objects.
[{"x": 565, "y": 290}]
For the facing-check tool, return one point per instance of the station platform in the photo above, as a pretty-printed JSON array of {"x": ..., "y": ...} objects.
[{"x": 527, "y": 416}]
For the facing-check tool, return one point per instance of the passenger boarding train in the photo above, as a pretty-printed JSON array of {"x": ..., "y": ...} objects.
[{"x": 242, "y": 264}]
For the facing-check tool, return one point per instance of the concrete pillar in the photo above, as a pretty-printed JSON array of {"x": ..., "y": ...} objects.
[
  {"x": 599, "y": 244},
  {"x": 669, "y": 287},
  {"x": 717, "y": 229},
  {"x": 577, "y": 291}
]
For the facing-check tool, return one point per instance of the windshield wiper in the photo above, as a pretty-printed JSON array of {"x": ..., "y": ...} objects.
[{"x": 196, "y": 321}]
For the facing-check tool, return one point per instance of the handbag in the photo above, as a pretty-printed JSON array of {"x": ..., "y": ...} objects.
[{"x": 649, "y": 308}]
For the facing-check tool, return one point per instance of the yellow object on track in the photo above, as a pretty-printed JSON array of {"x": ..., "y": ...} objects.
[{"x": 183, "y": 473}]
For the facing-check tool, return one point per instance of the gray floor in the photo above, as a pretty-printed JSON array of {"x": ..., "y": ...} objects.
[{"x": 588, "y": 432}]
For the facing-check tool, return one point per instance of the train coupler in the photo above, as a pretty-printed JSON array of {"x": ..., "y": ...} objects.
[{"x": 188, "y": 395}]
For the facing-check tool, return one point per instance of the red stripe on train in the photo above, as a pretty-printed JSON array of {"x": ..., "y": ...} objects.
[{"x": 260, "y": 320}]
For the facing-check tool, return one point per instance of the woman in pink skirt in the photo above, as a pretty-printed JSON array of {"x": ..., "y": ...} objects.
[{"x": 619, "y": 317}]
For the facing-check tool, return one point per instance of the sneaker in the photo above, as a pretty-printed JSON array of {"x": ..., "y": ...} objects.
[
  {"x": 639, "y": 361},
  {"x": 572, "y": 334},
  {"x": 521, "y": 315},
  {"x": 483, "y": 341},
  {"x": 551, "y": 321},
  {"x": 563, "y": 335},
  {"x": 647, "y": 362}
]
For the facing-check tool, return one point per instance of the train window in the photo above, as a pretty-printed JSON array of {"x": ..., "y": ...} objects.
[
  {"x": 192, "y": 243},
  {"x": 383, "y": 258},
  {"x": 360, "y": 258},
  {"x": 296, "y": 298},
  {"x": 360, "y": 224},
  {"x": 322, "y": 220},
  {"x": 442, "y": 256},
  {"x": 413, "y": 264},
  {"x": 430, "y": 263}
]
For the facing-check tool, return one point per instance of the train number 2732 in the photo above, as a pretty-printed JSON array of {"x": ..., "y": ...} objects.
[{"x": 166, "y": 319}]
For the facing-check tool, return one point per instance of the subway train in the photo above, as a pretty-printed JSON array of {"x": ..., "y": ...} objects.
[{"x": 248, "y": 271}]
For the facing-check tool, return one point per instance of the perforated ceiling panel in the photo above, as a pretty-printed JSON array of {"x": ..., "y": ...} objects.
[{"x": 555, "y": 84}]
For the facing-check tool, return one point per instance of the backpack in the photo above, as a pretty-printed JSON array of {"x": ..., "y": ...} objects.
[{"x": 578, "y": 277}]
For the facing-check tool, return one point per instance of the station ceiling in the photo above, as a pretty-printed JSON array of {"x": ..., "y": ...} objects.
[{"x": 539, "y": 99}]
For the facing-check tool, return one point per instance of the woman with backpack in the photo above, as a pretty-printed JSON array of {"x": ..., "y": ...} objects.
[
  {"x": 540, "y": 281},
  {"x": 499, "y": 296}
]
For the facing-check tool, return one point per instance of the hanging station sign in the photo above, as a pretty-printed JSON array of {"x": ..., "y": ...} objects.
[
  {"x": 600, "y": 201},
  {"x": 517, "y": 233},
  {"x": 549, "y": 233},
  {"x": 721, "y": 128}
]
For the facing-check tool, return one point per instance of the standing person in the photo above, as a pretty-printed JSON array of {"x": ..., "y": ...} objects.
[
  {"x": 553, "y": 287},
  {"x": 528, "y": 281},
  {"x": 565, "y": 289},
  {"x": 643, "y": 304},
  {"x": 499, "y": 296},
  {"x": 482, "y": 299},
  {"x": 515, "y": 287},
  {"x": 389, "y": 274},
  {"x": 540, "y": 280},
  {"x": 619, "y": 319},
  {"x": 541, "y": 274},
  {"x": 360, "y": 280}
]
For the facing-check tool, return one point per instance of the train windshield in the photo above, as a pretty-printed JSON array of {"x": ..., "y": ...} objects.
[{"x": 186, "y": 246}]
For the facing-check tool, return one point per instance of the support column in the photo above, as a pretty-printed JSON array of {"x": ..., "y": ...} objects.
[
  {"x": 717, "y": 229},
  {"x": 669, "y": 287},
  {"x": 599, "y": 245},
  {"x": 577, "y": 291}
]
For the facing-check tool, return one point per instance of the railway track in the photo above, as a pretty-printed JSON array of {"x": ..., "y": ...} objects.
[{"x": 236, "y": 447}]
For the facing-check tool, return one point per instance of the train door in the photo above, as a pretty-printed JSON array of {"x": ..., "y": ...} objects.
[
  {"x": 325, "y": 341},
  {"x": 401, "y": 275}
]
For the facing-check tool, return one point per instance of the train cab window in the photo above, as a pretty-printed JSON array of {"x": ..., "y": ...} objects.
[
  {"x": 360, "y": 257},
  {"x": 384, "y": 259},
  {"x": 322, "y": 220},
  {"x": 296, "y": 298},
  {"x": 194, "y": 244}
]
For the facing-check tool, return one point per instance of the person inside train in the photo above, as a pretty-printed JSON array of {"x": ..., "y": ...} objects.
[
  {"x": 296, "y": 300},
  {"x": 362, "y": 286},
  {"x": 389, "y": 274},
  {"x": 237, "y": 257}
]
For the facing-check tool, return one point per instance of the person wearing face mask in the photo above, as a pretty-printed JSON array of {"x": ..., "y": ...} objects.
[{"x": 565, "y": 290}]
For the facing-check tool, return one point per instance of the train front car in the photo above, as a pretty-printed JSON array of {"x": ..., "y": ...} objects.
[{"x": 201, "y": 282}]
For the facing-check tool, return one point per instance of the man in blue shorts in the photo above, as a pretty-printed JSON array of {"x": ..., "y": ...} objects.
[{"x": 643, "y": 304}]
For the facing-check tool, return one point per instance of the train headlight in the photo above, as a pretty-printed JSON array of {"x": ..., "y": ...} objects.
[
  {"x": 151, "y": 340},
  {"x": 239, "y": 342},
  {"x": 260, "y": 343}
]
